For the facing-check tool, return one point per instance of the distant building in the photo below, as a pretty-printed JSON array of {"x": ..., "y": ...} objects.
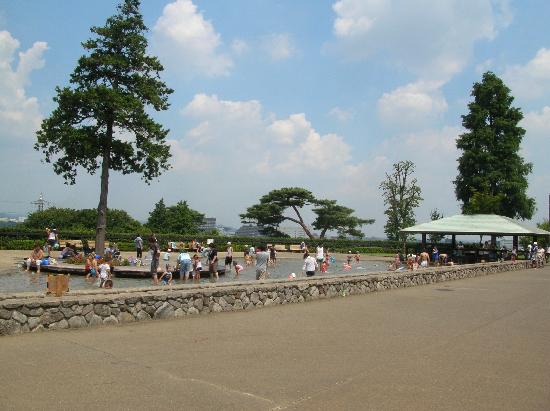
[
  {"x": 209, "y": 223},
  {"x": 294, "y": 231},
  {"x": 248, "y": 231},
  {"x": 226, "y": 230}
]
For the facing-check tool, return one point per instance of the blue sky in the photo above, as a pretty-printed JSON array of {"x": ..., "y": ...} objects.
[{"x": 325, "y": 95}]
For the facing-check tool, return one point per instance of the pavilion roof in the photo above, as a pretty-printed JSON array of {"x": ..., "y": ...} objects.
[{"x": 488, "y": 224}]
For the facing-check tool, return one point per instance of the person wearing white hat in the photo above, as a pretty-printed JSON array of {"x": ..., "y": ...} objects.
[{"x": 228, "y": 257}]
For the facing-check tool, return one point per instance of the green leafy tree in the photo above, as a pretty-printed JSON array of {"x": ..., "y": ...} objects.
[
  {"x": 157, "y": 217},
  {"x": 67, "y": 219},
  {"x": 436, "y": 215},
  {"x": 174, "y": 219},
  {"x": 101, "y": 120},
  {"x": 269, "y": 213},
  {"x": 332, "y": 216},
  {"x": 182, "y": 219},
  {"x": 492, "y": 176},
  {"x": 401, "y": 195}
]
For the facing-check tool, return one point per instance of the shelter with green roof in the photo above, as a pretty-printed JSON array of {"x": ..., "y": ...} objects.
[{"x": 477, "y": 224}]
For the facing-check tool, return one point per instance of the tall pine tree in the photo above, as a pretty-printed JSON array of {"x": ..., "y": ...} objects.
[
  {"x": 492, "y": 176},
  {"x": 101, "y": 121}
]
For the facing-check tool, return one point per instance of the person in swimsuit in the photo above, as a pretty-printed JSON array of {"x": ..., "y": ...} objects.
[{"x": 424, "y": 259}]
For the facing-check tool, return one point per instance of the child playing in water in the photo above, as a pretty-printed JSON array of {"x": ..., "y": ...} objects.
[
  {"x": 104, "y": 273},
  {"x": 238, "y": 268},
  {"x": 356, "y": 257},
  {"x": 324, "y": 266},
  {"x": 166, "y": 277},
  {"x": 197, "y": 266},
  {"x": 349, "y": 257},
  {"x": 92, "y": 270}
]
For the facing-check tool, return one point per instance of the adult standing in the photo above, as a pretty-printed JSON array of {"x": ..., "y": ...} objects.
[
  {"x": 262, "y": 257},
  {"x": 213, "y": 262},
  {"x": 155, "y": 256},
  {"x": 185, "y": 264},
  {"x": 228, "y": 256},
  {"x": 310, "y": 265},
  {"x": 424, "y": 259},
  {"x": 139, "y": 246}
]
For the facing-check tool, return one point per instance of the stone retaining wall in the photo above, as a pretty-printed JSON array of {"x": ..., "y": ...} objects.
[{"x": 32, "y": 312}]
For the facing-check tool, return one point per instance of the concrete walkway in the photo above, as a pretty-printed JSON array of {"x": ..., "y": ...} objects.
[{"x": 477, "y": 344}]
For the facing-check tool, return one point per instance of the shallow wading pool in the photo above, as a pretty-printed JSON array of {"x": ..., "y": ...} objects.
[{"x": 17, "y": 280}]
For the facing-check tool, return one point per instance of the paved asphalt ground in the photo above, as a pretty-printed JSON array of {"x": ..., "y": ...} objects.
[{"x": 477, "y": 344}]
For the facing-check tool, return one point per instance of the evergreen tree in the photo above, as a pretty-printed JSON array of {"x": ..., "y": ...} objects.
[
  {"x": 492, "y": 176},
  {"x": 95, "y": 119},
  {"x": 269, "y": 213},
  {"x": 401, "y": 195},
  {"x": 179, "y": 218},
  {"x": 157, "y": 217},
  {"x": 332, "y": 216}
]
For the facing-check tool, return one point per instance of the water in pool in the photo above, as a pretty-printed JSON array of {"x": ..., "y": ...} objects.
[{"x": 17, "y": 280}]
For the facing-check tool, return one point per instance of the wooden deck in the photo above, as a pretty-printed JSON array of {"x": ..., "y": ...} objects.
[{"x": 120, "y": 271}]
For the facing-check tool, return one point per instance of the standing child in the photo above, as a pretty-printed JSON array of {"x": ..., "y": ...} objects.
[
  {"x": 197, "y": 266},
  {"x": 93, "y": 266},
  {"x": 104, "y": 273}
]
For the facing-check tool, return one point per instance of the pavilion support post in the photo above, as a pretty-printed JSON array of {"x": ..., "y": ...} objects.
[
  {"x": 493, "y": 241},
  {"x": 515, "y": 242},
  {"x": 453, "y": 241},
  {"x": 423, "y": 240}
]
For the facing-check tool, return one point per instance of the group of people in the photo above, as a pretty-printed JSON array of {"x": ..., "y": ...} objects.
[
  {"x": 537, "y": 255},
  {"x": 189, "y": 267},
  {"x": 99, "y": 268}
]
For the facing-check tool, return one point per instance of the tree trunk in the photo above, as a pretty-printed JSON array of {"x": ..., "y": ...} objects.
[
  {"x": 102, "y": 206},
  {"x": 300, "y": 221}
]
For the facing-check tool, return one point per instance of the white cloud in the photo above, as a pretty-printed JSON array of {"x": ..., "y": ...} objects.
[
  {"x": 433, "y": 39},
  {"x": 531, "y": 80},
  {"x": 279, "y": 46},
  {"x": 412, "y": 105},
  {"x": 239, "y": 46},
  {"x": 184, "y": 39},
  {"x": 484, "y": 66},
  {"x": 289, "y": 145},
  {"x": 537, "y": 124},
  {"x": 537, "y": 139},
  {"x": 19, "y": 114},
  {"x": 341, "y": 114},
  {"x": 263, "y": 152},
  {"x": 288, "y": 130}
]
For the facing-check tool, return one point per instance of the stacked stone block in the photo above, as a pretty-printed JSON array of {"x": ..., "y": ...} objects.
[{"x": 34, "y": 312}]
